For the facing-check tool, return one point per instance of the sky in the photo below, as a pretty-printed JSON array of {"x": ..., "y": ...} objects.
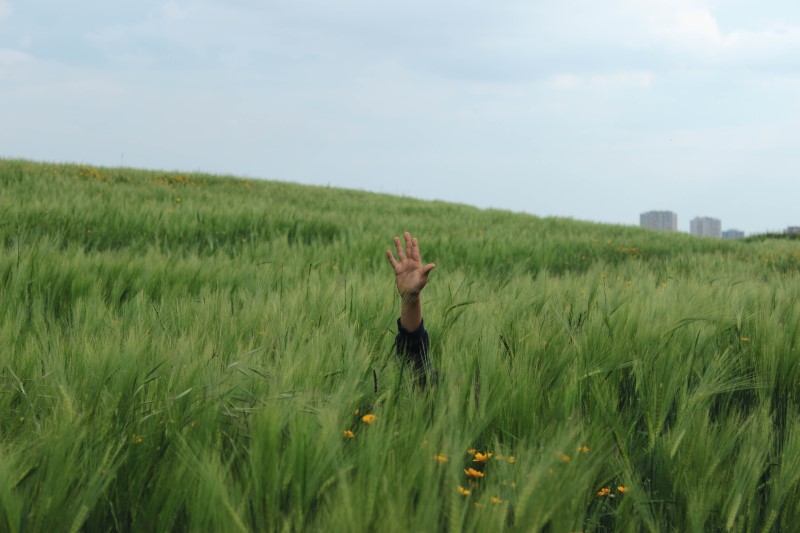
[{"x": 592, "y": 109}]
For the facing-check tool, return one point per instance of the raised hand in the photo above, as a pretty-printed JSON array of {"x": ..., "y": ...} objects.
[{"x": 410, "y": 275}]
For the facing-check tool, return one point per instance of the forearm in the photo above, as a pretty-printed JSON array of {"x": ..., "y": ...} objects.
[{"x": 411, "y": 312}]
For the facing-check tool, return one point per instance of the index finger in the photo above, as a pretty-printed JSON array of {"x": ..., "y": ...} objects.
[{"x": 390, "y": 257}]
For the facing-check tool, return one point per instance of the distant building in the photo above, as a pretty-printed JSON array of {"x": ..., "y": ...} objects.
[
  {"x": 659, "y": 220},
  {"x": 794, "y": 230},
  {"x": 732, "y": 234},
  {"x": 706, "y": 227}
]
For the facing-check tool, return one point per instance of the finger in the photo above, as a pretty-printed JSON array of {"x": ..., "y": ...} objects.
[
  {"x": 400, "y": 254},
  {"x": 425, "y": 271},
  {"x": 415, "y": 250},
  {"x": 390, "y": 257},
  {"x": 407, "y": 235}
]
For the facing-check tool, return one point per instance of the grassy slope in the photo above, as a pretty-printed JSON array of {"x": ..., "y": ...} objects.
[{"x": 184, "y": 352}]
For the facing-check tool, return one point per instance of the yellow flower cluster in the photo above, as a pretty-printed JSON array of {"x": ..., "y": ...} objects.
[
  {"x": 368, "y": 418},
  {"x": 605, "y": 491},
  {"x": 472, "y": 473},
  {"x": 475, "y": 475},
  {"x": 477, "y": 457}
]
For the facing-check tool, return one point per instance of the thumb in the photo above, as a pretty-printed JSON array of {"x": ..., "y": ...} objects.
[{"x": 427, "y": 269}]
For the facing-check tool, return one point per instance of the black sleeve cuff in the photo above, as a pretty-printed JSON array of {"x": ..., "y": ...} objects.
[{"x": 412, "y": 347}]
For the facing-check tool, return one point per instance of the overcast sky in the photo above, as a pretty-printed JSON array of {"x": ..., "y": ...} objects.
[{"x": 592, "y": 109}]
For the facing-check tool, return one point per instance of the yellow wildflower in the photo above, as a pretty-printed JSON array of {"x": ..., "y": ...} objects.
[
  {"x": 463, "y": 491},
  {"x": 471, "y": 451},
  {"x": 564, "y": 457},
  {"x": 623, "y": 489},
  {"x": 136, "y": 439},
  {"x": 745, "y": 339},
  {"x": 440, "y": 458},
  {"x": 369, "y": 418},
  {"x": 481, "y": 457},
  {"x": 348, "y": 434},
  {"x": 471, "y": 472},
  {"x": 604, "y": 491},
  {"x": 495, "y": 500},
  {"x": 511, "y": 459},
  {"x": 583, "y": 449}
]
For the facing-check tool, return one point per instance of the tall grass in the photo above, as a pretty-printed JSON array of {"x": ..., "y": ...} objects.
[{"x": 184, "y": 352}]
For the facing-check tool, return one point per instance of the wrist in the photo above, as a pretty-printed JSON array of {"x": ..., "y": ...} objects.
[
  {"x": 411, "y": 312},
  {"x": 409, "y": 296}
]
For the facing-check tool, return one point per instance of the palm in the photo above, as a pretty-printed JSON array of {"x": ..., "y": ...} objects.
[{"x": 410, "y": 274}]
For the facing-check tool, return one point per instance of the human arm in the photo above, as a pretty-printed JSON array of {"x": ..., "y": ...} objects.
[
  {"x": 410, "y": 278},
  {"x": 412, "y": 342}
]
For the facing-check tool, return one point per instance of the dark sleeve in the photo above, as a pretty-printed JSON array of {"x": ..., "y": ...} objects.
[{"x": 412, "y": 347}]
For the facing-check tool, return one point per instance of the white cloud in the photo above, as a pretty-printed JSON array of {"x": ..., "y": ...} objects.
[
  {"x": 696, "y": 24},
  {"x": 623, "y": 79},
  {"x": 789, "y": 81},
  {"x": 171, "y": 10},
  {"x": 206, "y": 31},
  {"x": 771, "y": 43},
  {"x": 566, "y": 81},
  {"x": 603, "y": 81},
  {"x": 11, "y": 61},
  {"x": 132, "y": 60},
  {"x": 683, "y": 22},
  {"x": 10, "y": 57},
  {"x": 690, "y": 27},
  {"x": 5, "y": 9}
]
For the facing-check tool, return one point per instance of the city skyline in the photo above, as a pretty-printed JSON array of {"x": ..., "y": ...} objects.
[{"x": 705, "y": 226}]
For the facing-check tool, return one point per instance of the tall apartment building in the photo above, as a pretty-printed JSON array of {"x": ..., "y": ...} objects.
[
  {"x": 659, "y": 220},
  {"x": 706, "y": 227},
  {"x": 732, "y": 234}
]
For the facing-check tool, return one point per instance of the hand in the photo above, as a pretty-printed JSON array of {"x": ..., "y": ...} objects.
[{"x": 409, "y": 273}]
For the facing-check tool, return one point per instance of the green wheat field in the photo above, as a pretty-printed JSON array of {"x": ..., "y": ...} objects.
[{"x": 182, "y": 352}]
